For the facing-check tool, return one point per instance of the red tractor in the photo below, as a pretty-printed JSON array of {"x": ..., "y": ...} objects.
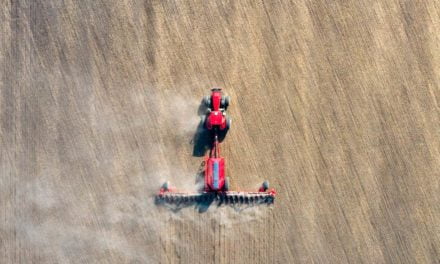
[
  {"x": 216, "y": 184},
  {"x": 216, "y": 104}
]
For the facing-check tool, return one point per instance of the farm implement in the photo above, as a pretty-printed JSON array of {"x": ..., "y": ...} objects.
[{"x": 216, "y": 185}]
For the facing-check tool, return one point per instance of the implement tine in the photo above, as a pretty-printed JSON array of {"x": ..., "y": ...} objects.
[
  {"x": 246, "y": 198},
  {"x": 226, "y": 198},
  {"x": 179, "y": 198}
]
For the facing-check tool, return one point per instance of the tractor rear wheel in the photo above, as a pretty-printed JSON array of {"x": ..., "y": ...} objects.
[
  {"x": 228, "y": 123},
  {"x": 203, "y": 120}
]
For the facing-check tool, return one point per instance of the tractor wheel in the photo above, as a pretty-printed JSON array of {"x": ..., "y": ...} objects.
[
  {"x": 207, "y": 101},
  {"x": 203, "y": 120},
  {"x": 226, "y": 184},
  {"x": 228, "y": 123},
  {"x": 265, "y": 185},
  {"x": 225, "y": 101}
]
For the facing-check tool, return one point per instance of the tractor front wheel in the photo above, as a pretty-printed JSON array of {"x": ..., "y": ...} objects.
[
  {"x": 227, "y": 101},
  {"x": 207, "y": 101}
]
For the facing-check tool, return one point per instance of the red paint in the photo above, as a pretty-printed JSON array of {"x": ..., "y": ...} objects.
[
  {"x": 216, "y": 119},
  {"x": 214, "y": 157}
]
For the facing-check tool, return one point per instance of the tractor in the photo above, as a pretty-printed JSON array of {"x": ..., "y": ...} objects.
[
  {"x": 216, "y": 183},
  {"x": 216, "y": 104}
]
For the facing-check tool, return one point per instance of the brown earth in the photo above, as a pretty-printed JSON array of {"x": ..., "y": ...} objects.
[{"x": 336, "y": 103}]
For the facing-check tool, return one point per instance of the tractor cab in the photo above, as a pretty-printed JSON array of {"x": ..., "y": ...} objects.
[{"x": 216, "y": 118}]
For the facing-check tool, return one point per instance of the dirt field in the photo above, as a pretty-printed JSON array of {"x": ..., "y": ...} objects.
[{"x": 336, "y": 103}]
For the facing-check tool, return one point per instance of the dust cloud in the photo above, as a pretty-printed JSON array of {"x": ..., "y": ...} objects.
[{"x": 102, "y": 204}]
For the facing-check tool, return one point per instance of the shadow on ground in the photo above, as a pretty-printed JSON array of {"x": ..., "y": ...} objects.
[{"x": 203, "y": 137}]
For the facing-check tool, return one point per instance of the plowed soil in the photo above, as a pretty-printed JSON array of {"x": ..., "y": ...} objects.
[{"x": 336, "y": 103}]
